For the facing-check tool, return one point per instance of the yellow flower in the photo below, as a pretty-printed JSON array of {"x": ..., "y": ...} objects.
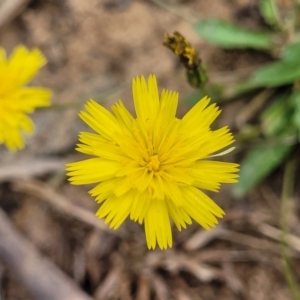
[
  {"x": 16, "y": 100},
  {"x": 153, "y": 168}
]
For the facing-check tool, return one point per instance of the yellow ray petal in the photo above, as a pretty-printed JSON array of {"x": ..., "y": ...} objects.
[
  {"x": 145, "y": 97},
  {"x": 91, "y": 170},
  {"x": 157, "y": 225},
  {"x": 115, "y": 210},
  {"x": 123, "y": 115}
]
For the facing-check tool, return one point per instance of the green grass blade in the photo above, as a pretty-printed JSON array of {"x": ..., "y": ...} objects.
[
  {"x": 259, "y": 163},
  {"x": 277, "y": 74},
  {"x": 230, "y": 36},
  {"x": 269, "y": 12}
]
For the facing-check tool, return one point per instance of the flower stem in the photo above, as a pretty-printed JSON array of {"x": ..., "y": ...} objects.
[{"x": 286, "y": 196}]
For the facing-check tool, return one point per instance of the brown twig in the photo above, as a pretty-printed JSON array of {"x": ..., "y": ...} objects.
[
  {"x": 9, "y": 9},
  {"x": 250, "y": 241},
  {"x": 276, "y": 234},
  {"x": 61, "y": 204},
  {"x": 28, "y": 168},
  {"x": 37, "y": 274},
  {"x": 144, "y": 288},
  {"x": 201, "y": 238}
]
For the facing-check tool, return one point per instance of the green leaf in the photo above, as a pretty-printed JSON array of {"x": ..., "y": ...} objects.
[
  {"x": 284, "y": 71},
  {"x": 269, "y": 12},
  {"x": 276, "y": 123},
  {"x": 276, "y": 74},
  {"x": 292, "y": 52},
  {"x": 296, "y": 102},
  {"x": 276, "y": 117},
  {"x": 230, "y": 36},
  {"x": 259, "y": 163}
]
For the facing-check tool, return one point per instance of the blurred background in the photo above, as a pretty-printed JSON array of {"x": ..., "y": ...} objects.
[{"x": 94, "y": 48}]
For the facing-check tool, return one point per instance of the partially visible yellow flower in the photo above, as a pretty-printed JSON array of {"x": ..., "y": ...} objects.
[
  {"x": 16, "y": 99},
  {"x": 153, "y": 168}
]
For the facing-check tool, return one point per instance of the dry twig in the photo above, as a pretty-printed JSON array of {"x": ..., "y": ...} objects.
[
  {"x": 276, "y": 234},
  {"x": 60, "y": 203},
  {"x": 9, "y": 9},
  {"x": 37, "y": 274},
  {"x": 250, "y": 241},
  {"x": 28, "y": 168},
  {"x": 201, "y": 238},
  {"x": 144, "y": 288}
]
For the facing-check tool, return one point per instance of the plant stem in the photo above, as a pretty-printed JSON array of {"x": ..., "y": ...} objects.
[
  {"x": 177, "y": 10},
  {"x": 286, "y": 196}
]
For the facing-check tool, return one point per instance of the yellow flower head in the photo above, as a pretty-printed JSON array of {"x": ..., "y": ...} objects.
[
  {"x": 16, "y": 100},
  {"x": 153, "y": 168}
]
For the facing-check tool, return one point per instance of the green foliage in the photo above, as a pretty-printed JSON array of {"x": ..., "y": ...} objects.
[
  {"x": 278, "y": 124},
  {"x": 226, "y": 35},
  {"x": 296, "y": 113},
  {"x": 269, "y": 12},
  {"x": 277, "y": 116},
  {"x": 259, "y": 163},
  {"x": 284, "y": 71},
  {"x": 292, "y": 53},
  {"x": 276, "y": 74}
]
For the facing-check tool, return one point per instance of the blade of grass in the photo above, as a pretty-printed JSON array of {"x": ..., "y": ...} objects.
[{"x": 227, "y": 35}]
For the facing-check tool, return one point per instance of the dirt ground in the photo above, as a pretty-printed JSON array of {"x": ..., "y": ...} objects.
[{"x": 94, "y": 48}]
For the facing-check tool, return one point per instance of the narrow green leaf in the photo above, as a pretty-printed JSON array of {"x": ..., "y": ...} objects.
[
  {"x": 276, "y": 123},
  {"x": 259, "y": 163},
  {"x": 292, "y": 52},
  {"x": 276, "y": 117},
  {"x": 269, "y": 12},
  {"x": 276, "y": 74},
  {"x": 296, "y": 117},
  {"x": 230, "y": 36},
  {"x": 284, "y": 71}
]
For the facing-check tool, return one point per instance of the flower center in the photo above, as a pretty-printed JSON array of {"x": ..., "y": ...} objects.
[{"x": 154, "y": 163}]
